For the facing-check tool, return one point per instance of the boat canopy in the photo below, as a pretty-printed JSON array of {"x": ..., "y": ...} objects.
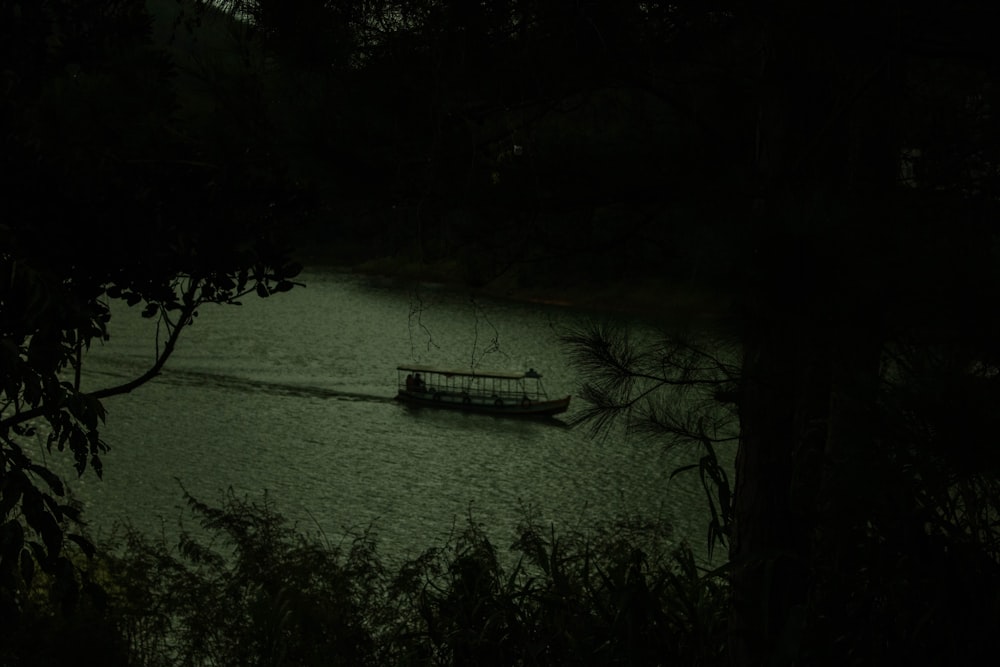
[{"x": 500, "y": 375}]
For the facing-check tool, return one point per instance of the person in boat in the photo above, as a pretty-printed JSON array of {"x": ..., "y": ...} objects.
[
  {"x": 410, "y": 382},
  {"x": 418, "y": 383}
]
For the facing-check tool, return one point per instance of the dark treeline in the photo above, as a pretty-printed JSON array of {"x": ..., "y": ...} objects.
[
  {"x": 539, "y": 141},
  {"x": 832, "y": 168}
]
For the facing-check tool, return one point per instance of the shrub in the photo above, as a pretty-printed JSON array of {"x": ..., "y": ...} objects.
[{"x": 252, "y": 590}]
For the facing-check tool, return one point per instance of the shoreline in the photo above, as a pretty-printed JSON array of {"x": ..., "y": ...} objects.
[{"x": 648, "y": 297}]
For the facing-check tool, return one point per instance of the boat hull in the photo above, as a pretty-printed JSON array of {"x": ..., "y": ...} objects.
[{"x": 523, "y": 408}]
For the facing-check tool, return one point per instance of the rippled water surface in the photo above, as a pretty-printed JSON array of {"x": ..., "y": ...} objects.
[{"x": 293, "y": 395}]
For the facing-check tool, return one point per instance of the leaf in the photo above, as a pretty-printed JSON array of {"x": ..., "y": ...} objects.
[
  {"x": 78, "y": 443},
  {"x": 86, "y": 546},
  {"x": 66, "y": 587},
  {"x": 38, "y": 551},
  {"x": 27, "y": 567},
  {"x": 10, "y": 492},
  {"x": 41, "y": 521},
  {"x": 70, "y": 512},
  {"x": 11, "y": 540},
  {"x": 150, "y": 310},
  {"x": 65, "y": 430},
  {"x": 97, "y": 465},
  {"x": 51, "y": 479},
  {"x": 26, "y": 431},
  {"x": 262, "y": 291},
  {"x": 46, "y": 525},
  {"x": 55, "y": 509},
  {"x": 88, "y": 410}
]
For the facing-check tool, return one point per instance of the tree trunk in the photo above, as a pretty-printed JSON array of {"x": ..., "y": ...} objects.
[
  {"x": 782, "y": 413},
  {"x": 826, "y": 161}
]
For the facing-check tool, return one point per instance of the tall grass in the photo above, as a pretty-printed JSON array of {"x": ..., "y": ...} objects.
[{"x": 251, "y": 589}]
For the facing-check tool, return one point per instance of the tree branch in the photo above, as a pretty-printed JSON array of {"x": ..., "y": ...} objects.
[{"x": 187, "y": 310}]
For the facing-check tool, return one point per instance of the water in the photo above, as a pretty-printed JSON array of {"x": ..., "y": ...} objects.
[{"x": 293, "y": 395}]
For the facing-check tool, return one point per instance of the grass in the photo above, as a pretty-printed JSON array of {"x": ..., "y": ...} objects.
[{"x": 253, "y": 590}]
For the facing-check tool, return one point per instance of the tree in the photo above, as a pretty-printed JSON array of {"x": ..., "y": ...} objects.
[
  {"x": 836, "y": 276},
  {"x": 110, "y": 197},
  {"x": 531, "y": 134},
  {"x": 857, "y": 513}
]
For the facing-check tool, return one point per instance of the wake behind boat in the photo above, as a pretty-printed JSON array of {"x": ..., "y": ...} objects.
[{"x": 493, "y": 392}]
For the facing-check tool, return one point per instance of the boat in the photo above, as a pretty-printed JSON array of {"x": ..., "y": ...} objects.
[{"x": 492, "y": 392}]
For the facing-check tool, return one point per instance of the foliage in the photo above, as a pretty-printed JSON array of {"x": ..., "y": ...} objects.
[
  {"x": 110, "y": 197},
  {"x": 252, "y": 590},
  {"x": 62, "y": 615},
  {"x": 500, "y": 132},
  {"x": 616, "y": 595},
  {"x": 902, "y": 559},
  {"x": 672, "y": 389},
  {"x": 907, "y": 565},
  {"x": 257, "y": 593},
  {"x": 851, "y": 147}
]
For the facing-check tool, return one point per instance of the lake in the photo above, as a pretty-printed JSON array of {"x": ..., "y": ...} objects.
[{"x": 294, "y": 395}]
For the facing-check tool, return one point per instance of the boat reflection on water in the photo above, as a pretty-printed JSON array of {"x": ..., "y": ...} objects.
[{"x": 491, "y": 392}]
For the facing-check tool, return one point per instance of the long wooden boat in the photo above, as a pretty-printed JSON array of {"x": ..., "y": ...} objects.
[{"x": 492, "y": 392}]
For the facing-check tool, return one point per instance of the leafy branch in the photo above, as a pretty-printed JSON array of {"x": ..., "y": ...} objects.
[{"x": 673, "y": 388}]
